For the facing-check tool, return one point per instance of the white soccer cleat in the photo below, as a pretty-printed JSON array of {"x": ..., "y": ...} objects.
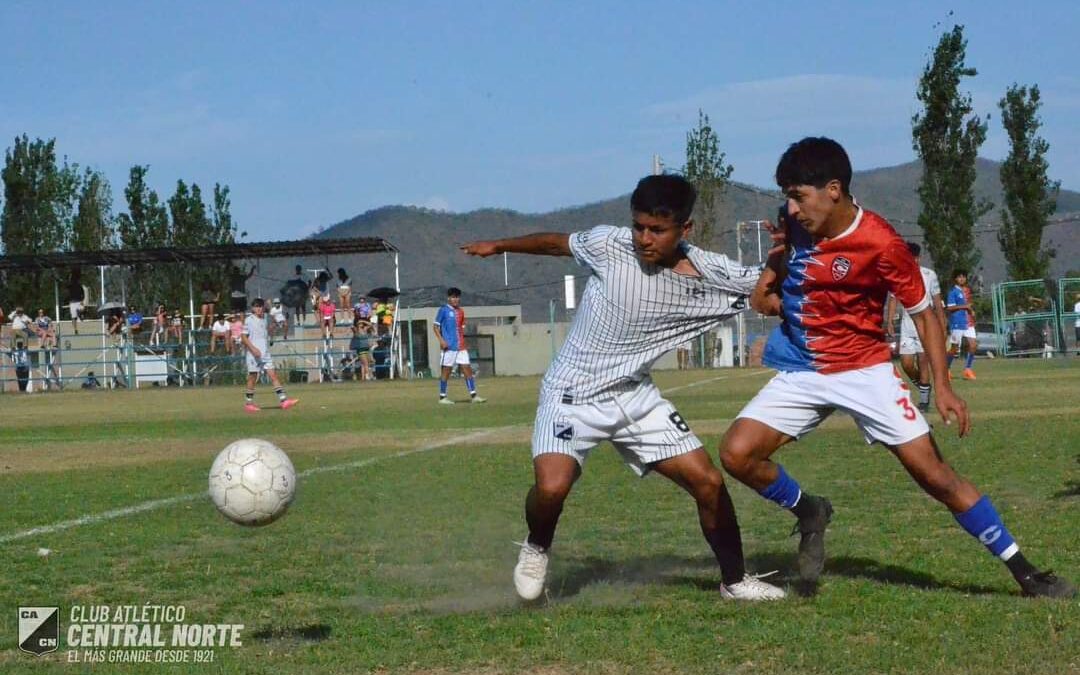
[
  {"x": 445, "y": 401},
  {"x": 530, "y": 571},
  {"x": 752, "y": 588},
  {"x": 475, "y": 398}
]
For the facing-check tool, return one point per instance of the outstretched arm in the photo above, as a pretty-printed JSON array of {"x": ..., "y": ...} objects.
[
  {"x": 765, "y": 299},
  {"x": 541, "y": 243}
]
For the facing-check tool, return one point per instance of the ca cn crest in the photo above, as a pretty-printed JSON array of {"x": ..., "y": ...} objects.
[{"x": 840, "y": 267}]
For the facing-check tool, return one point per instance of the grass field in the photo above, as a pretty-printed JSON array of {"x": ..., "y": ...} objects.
[{"x": 397, "y": 554}]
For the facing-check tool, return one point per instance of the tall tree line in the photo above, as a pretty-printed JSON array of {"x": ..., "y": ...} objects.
[
  {"x": 53, "y": 206},
  {"x": 947, "y": 135}
]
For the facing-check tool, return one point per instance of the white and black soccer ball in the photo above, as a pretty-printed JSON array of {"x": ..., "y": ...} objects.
[{"x": 252, "y": 482}]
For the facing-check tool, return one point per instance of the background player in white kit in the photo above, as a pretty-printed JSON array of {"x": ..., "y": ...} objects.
[
  {"x": 912, "y": 355},
  {"x": 649, "y": 290},
  {"x": 255, "y": 341}
]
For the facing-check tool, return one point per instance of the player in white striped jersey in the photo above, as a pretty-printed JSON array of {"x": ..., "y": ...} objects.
[
  {"x": 912, "y": 355},
  {"x": 648, "y": 291},
  {"x": 256, "y": 343}
]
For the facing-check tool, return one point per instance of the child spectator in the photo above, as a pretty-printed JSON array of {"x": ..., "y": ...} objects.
[
  {"x": 45, "y": 330},
  {"x": 279, "y": 322},
  {"x": 20, "y": 357},
  {"x": 362, "y": 310},
  {"x": 236, "y": 329},
  {"x": 360, "y": 344},
  {"x": 176, "y": 325},
  {"x": 326, "y": 310}
]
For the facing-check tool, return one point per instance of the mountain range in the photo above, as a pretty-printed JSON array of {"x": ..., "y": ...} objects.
[{"x": 428, "y": 240}]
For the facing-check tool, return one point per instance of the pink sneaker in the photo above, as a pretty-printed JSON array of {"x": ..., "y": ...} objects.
[
  {"x": 251, "y": 407},
  {"x": 288, "y": 403}
]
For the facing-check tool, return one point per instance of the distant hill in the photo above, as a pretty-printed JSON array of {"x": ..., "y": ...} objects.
[{"x": 428, "y": 239}]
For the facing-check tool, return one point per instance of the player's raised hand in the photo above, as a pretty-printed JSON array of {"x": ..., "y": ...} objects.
[
  {"x": 949, "y": 404},
  {"x": 481, "y": 249}
]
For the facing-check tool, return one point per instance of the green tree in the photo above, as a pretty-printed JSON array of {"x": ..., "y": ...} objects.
[
  {"x": 947, "y": 136},
  {"x": 144, "y": 225},
  {"x": 707, "y": 170},
  {"x": 190, "y": 225},
  {"x": 92, "y": 228},
  {"x": 39, "y": 200},
  {"x": 1030, "y": 196}
]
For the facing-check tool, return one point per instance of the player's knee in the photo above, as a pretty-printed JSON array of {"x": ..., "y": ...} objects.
[
  {"x": 706, "y": 488},
  {"x": 553, "y": 488},
  {"x": 736, "y": 455}
]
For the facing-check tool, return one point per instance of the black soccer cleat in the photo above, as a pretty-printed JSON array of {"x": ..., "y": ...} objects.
[
  {"x": 1047, "y": 585},
  {"x": 812, "y": 540}
]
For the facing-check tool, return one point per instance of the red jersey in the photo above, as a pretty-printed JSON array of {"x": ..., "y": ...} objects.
[{"x": 834, "y": 293}]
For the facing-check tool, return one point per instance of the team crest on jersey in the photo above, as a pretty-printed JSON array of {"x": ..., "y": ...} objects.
[
  {"x": 564, "y": 431},
  {"x": 840, "y": 267}
]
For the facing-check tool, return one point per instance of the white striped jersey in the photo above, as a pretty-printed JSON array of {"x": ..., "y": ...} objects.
[
  {"x": 933, "y": 287},
  {"x": 255, "y": 330},
  {"x": 632, "y": 312}
]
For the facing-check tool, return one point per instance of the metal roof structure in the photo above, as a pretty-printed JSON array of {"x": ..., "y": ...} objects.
[{"x": 197, "y": 254}]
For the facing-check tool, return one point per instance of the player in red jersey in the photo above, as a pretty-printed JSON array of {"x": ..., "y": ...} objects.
[{"x": 830, "y": 285}]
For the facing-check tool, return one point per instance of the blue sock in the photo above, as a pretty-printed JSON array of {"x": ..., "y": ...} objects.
[
  {"x": 970, "y": 360},
  {"x": 949, "y": 360},
  {"x": 785, "y": 490},
  {"x": 442, "y": 388},
  {"x": 471, "y": 384},
  {"x": 983, "y": 522}
]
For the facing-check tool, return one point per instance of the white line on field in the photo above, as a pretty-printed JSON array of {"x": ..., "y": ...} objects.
[
  {"x": 713, "y": 379},
  {"x": 152, "y": 505}
]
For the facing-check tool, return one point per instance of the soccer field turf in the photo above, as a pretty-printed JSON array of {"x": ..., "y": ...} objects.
[{"x": 397, "y": 554}]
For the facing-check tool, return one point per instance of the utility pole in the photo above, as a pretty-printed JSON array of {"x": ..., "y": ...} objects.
[
  {"x": 657, "y": 165},
  {"x": 740, "y": 321}
]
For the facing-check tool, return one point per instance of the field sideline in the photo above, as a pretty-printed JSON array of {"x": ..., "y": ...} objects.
[{"x": 396, "y": 556}]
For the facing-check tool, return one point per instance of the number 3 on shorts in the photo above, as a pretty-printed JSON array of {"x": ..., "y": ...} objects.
[
  {"x": 679, "y": 422},
  {"x": 905, "y": 403}
]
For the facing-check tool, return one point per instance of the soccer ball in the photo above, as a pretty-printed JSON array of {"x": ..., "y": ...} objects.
[{"x": 252, "y": 482}]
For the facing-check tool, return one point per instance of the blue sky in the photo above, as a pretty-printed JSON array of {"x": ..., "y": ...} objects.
[{"x": 313, "y": 113}]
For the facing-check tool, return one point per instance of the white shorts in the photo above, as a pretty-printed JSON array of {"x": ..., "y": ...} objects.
[
  {"x": 454, "y": 357},
  {"x": 957, "y": 335},
  {"x": 910, "y": 345},
  {"x": 643, "y": 426},
  {"x": 74, "y": 307},
  {"x": 794, "y": 403},
  {"x": 264, "y": 362}
]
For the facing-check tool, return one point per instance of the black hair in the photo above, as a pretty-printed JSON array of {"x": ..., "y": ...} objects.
[
  {"x": 958, "y": 271},
  {"x": 341, "y": 272},
  {"x": 814, "y": 161},
  {"x": 299, "y": 269},
  {"x": 915, "y": 249},
  {"x": 453, "y": 292},
  {"x": 258, "y": 302},
  {"x": 664, "y": 196}
]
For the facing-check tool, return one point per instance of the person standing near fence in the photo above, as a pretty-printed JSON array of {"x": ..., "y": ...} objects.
[
  {"x": 961, "y": 324},
  {"x": 20, "y": 358}
]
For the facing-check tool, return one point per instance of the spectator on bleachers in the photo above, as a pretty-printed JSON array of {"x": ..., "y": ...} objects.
[
  {"x": 176, "y": 326},
  {"x": 236, "y": 330},
  {"x": 21, "y": 324},
  {"x": 326, "y": 311},
  {"x": 279, "y": 322},
  {"x": 134, "y": 321},
  {"x": 362, "y": 310},
  {"x": 360, "y": 345},
  {"x": 219, "y": 332},
  {"x": 344, "y": 289},
  {"x": 161, "y": 324},
  {"x": 387, "y": 318},
  {"x": 46, "y": 331},
  {"x": 115, "y": 324},
  {"x": 209, "y": 302},
  {"x": 76, "y": 293}
]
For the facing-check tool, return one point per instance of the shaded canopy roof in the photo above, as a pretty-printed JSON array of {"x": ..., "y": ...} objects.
[
  {"x": 196, "y": 254},
  {"x": 435, "y": 296}
]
